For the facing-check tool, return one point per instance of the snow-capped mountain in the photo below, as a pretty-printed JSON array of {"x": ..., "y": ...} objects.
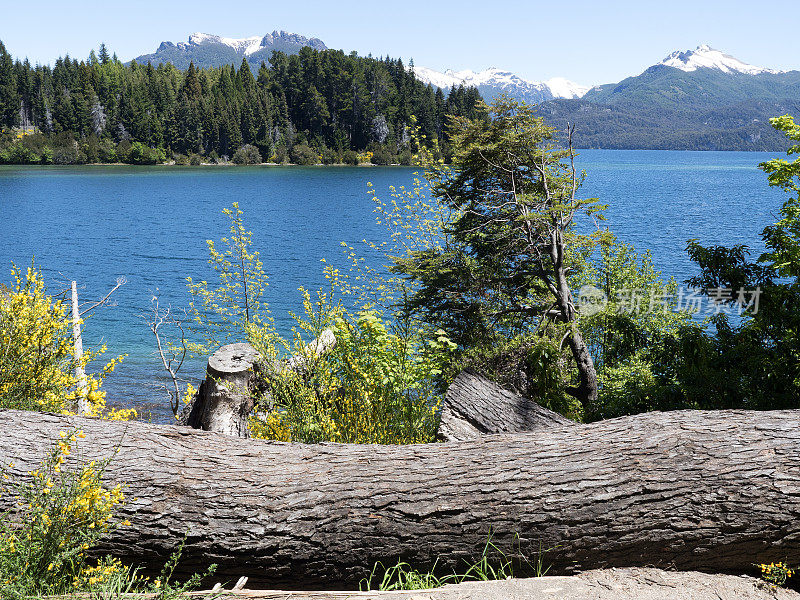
[
  {"x": 244, "y": 46},
  {"x": 706, "y": 57},
  {"x": 207, "y": 50},
  {"x": 493, "y": 82}
]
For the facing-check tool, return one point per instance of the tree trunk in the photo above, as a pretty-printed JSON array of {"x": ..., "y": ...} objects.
[
  {"x": 715, "y": 491},
  {"x": 475, "y": 406},
  {"x": 224, "y": 401},
  {"x": 586, "y": 391}
]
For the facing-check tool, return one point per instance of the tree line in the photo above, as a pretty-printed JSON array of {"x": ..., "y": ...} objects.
[{"x": 316, "y": 106}]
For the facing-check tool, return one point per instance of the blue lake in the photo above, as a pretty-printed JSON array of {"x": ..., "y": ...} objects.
[{"x": 93, "y": 224}]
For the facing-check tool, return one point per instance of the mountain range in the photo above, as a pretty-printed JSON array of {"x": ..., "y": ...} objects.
[
  {"x": 695, "y": 99},
  {"x": 207, "y": 50},
  {"x": 493, "y": 82}
]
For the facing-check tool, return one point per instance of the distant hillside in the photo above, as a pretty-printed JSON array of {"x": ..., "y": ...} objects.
[
  {"x": 695, "y": 100},
  {"x": 207, "y": 50}
]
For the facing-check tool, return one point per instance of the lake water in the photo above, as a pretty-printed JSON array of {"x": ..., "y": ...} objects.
[{"x": 93, "y": 224}]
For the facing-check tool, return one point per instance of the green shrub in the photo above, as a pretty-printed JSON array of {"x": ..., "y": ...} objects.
[
  {"x": 68, "y": 155},
  {"x": 330, "y": 157},
  {"x": 180, "y": 159},
  {"x": 382, "y": 156},
  {"x": 303, "y": 154},
  {"x": 141, "y": 154},
  {"x": 18, "y": 154},
  {"x": 405, "y": 157},
  {"x": 195, "y": 160},
  {"x": 247, "y": 155},
  {"x": 350, "y": 157},
  {"x": 106, "y": 152},
  {"x": 281, "y": 155},
  {"x": 123, "y": 151}
]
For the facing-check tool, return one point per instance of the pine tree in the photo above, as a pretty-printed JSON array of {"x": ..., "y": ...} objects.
[
  {"x": 9, "y": 96},
  {"x": 104, "y": 57}
]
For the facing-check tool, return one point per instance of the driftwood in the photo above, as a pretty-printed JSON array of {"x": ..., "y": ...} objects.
[
  {"x": 715, "y": 491},
  {"x": 611, "y": 584},
  {"x": 475, "y": 406}
]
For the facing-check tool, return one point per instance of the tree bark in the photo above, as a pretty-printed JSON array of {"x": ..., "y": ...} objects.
[
  {"x": 475, "y": 406},
  {"x": 712, "y": 491}
]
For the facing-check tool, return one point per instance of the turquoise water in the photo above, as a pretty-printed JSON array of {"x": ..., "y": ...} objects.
[{"x": 93, "y": 224}]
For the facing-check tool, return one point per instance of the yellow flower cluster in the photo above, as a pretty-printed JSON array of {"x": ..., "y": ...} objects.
[
  {"x": 775, "y": 572},
  {"x": 37, "y": 358},
  {"x": 102, "y": 573},
  {"x": 62, "y": 512}
]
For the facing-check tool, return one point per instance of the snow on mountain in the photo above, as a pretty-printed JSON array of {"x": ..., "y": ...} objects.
[
  {"x": 706, "y": 57},
  {"x": 244, "y": 45},
  {"x": 250, "y": 45},
  {"x": 564, "y": 88},
  {"x": 493, "y": 82}
]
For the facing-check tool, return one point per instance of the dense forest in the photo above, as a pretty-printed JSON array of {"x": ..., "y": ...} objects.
[{"x": 316, "y": 106}]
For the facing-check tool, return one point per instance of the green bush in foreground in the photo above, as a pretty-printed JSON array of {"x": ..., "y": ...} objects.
[{"x": 377, "y": 384}]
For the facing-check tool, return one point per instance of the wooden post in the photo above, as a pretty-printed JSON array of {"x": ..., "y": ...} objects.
[{"x": 84, "y": 407}]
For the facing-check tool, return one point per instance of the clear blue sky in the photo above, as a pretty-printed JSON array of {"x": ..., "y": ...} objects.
[{"x": 587, "y": 41}]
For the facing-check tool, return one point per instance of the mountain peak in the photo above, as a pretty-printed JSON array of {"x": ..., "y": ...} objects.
[
  {"x": 209, "y": 50},
  {"x": 706, "y": 57}
]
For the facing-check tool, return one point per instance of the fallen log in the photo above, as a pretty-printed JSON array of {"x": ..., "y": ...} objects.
[
  {"x": 711, "y": 491},
  {"x": 475, "y": 406},
  {"x": 611, "y": 584}
]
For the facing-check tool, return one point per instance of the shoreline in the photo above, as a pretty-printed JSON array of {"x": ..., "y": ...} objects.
[{"x": 205, "y": 164}]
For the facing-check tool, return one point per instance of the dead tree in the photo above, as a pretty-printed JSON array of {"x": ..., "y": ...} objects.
[
  {"x": 84, "y": 406},
  {"x": 171, "y": 354}
]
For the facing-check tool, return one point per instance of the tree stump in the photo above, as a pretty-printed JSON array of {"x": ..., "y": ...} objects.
[
  {"x": 475, "y": 406},
  {"x": 224, "y": 402}
]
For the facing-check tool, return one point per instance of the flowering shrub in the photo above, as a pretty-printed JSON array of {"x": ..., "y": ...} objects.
[
  {"x": 60, "y": 514},
  {"x": 376, "y": 385},
  {"x": 37, "y": 359},
  {"x": 776, "y": 573}
]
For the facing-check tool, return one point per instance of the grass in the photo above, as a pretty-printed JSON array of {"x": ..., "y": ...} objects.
[{"x": 493, "y": 565}]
